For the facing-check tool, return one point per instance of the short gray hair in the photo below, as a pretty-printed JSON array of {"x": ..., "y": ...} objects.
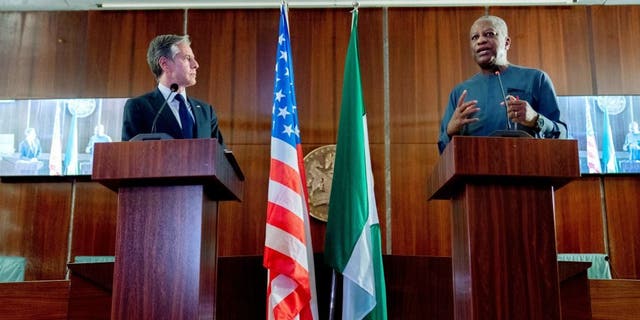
[
  {"x": 497, "y": 22},
  {"x": 165, "y": 45}
]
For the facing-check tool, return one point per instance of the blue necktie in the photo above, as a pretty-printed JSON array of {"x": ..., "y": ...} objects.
[{"x": 185, "y": 118}]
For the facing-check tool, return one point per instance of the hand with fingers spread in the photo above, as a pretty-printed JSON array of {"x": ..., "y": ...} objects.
[{"x": 462, "y": 115}]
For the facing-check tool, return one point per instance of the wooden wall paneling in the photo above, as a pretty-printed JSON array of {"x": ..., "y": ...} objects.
[
  {"x": 11, "y": 81},
  {"x": 69, "y": 74},
  {"x": 117, "y": 43},
  {"x": 380, "y": 189},
  {"x": 623, "y": 225},
  {"x": 370, "y": 44},
  {"x": 579, "y": 221},
  {"x": 410, "y": 103},
  {"x": 319, "y": 38},
  {"x": 241, "y": 225},
  {"x": 454, "y": 60},
  {"x": 615, "y": 299},
  {"x": 428, "y": 54},
  {"x": 34, "y": 224},
  {"x": 616, "y": 50},
  {"x": 524, "y": 28},
  {"x": 419, "y": 226},
  {"x": 419, "y": 91},
  {"x": 94, "y": 220},
  {"x": 34, "y": 300},
  {"x": 564, "y": 50},
  {"x": 236, "y": 51},
  {"x": 554, "y": 39},
  {"x": 42, "y": 56}
]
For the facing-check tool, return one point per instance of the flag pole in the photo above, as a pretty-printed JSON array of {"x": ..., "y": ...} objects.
[
  {"x": 332, "y": 297},
  {"x": 332, "y": 293}
]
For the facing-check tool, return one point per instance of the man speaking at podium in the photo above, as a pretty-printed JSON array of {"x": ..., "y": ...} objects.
[
  {"x": 167, "y": 109},
  {"x": 502, "y": 97}
]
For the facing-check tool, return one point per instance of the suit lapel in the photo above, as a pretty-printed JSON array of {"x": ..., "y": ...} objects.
[
  {"x": 198, "y": 117},
  {"x": 167, "y": 122}
]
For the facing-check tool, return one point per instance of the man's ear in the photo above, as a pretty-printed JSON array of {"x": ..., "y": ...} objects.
[
  {"x": 507, "y": 43},
  {"x": 162, "y": 61}
]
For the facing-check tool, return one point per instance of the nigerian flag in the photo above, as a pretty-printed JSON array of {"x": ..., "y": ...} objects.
[{"x": 353, "y": 243}]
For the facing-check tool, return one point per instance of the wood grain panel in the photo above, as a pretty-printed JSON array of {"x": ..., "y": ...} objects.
[
  {"x": 428, "y": 54},
  {"x": 419, "y": 227},
  {"x": 94, "y": 220},
  {"x": 504, "y": 263},
  {"x": 563, "y": 51},
  {"x": 623, "y": 225},
  {"x": 616, "y": 50},
  {"x": 378, "y": 167},
  {"x": 241, "y": 226},
  {"x": 320, "y": 39},
  {"x": 554, "y": 39},
  {"x": 236, "y": 51},
  {"x": 117, "y": 43},
  {"x": 34, "y": 223},
  {"x": 88, "y": 301},
  {"x": 239, "y": 67},
  {"x": 370, "y": 44},
  {"x": 615, "y": 299},
  {"x": 579, "y": 224},
  {"x": 418, "y": 287},
  {"x": 525, "y": 42},
  {"x": 47, "y": 54},
  {"x": 34, "y": 300}
]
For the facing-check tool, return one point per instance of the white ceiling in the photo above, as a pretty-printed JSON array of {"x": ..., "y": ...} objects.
[{"x": 62, "y": 5}]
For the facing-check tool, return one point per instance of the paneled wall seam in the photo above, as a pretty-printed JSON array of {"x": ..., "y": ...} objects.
[
  {"x": 185, "y": 22},
  {"x": 387, "y": 129},
  {"x": 72, "y": 209},
  {"x": 605, "y": 227},
  {"x": 592, "y": 51}
]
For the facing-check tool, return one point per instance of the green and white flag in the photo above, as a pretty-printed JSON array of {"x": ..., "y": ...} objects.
[{"x": 353, "y": 243}]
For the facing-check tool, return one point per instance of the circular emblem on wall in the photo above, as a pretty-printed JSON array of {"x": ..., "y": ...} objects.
[
  {"x": 318, "y": 165},
  {"x": 611, "y": 104},
  {"x": 81, "y": 107}
]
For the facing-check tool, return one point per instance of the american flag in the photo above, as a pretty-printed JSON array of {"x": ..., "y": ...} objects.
[
  {"x": 288, "y": 254},
  {"x": 593, "y": 159}
]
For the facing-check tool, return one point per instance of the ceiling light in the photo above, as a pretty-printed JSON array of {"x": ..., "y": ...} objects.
[{"x": 209, "y": 4}]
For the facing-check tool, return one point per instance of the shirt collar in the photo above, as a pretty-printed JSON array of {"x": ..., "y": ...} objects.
[{"x": 166, "y": 91}]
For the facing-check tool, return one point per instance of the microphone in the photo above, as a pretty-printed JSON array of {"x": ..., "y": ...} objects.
[
  {"x": 509, "y": 132},
  {"x": 161, "y": 135},
  {"x": 504, "y": 98},
  {"x": 174, "y": 89}
]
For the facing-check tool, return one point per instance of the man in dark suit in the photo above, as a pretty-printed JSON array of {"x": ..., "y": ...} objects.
[{"x": 174, "y": 65}]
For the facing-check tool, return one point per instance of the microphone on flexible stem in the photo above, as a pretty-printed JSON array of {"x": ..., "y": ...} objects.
[
  {"x": 509, "y": 132},
  {"x": 504, "y": 97},
  {"x": 174, "y": 89},
  {"x": 161, "y": 135}
]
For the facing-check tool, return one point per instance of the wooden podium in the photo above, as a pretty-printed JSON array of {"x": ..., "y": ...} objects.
[
  {"x": 504, "y": 246},
  {"x": 166, "y": 248}
]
